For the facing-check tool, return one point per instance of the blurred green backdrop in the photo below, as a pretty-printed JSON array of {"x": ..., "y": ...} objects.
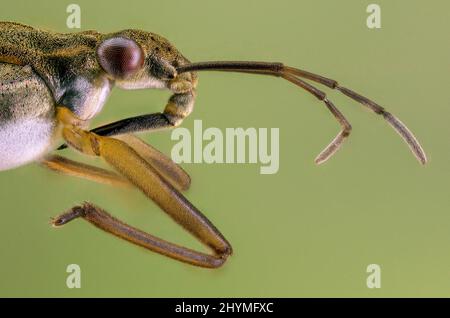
[{"x": 307, "y": 230}]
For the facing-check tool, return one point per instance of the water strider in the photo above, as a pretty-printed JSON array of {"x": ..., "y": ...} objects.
[{"x": 53, "y": 84}]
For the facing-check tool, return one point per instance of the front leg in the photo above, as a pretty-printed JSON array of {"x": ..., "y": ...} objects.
[{"x": 179, "y": 106}]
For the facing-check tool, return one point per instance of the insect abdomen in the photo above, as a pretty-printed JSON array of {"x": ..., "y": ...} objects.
[{"x": 27, "y": 111}]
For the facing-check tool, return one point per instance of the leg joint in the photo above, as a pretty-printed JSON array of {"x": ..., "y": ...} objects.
[{"x": 179, "y": 107}]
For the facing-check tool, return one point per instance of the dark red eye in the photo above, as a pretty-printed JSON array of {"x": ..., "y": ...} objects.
[{"x": 120, "y": 57}]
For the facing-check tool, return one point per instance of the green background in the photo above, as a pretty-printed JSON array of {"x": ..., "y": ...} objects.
[{"x": 307, "y": 230}]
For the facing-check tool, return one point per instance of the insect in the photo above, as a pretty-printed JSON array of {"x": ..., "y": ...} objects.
[{"x": 52, "y": 85}]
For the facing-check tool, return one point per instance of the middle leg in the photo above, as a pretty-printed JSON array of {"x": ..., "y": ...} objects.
[{"x": 81, "y": 170}]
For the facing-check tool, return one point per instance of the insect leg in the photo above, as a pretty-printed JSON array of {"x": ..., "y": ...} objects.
[
  {"x": 168, "y": 169},
  {"x": 178, "y": 107},
  {"x": 144, "y": 176},
  {"x": 105, "y": 221},
  {"x": 147, "y": 122},
  {"x": 82, "y": 170}
]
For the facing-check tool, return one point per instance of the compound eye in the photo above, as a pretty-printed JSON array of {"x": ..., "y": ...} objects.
[{"x": 120, "y": 57}]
